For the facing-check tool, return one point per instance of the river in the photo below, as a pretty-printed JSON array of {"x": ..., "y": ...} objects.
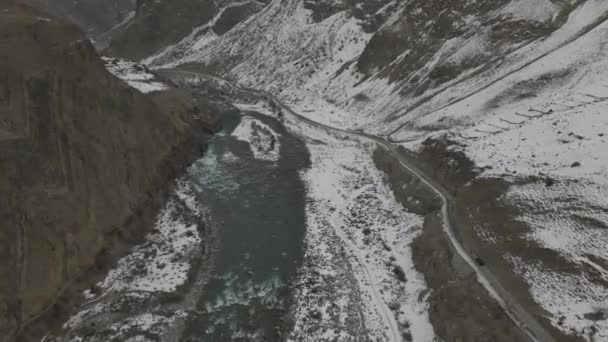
[{"x": 259, "y": 207}]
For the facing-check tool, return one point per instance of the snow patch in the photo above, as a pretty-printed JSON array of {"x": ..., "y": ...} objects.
[
  {"x": 537, "y": 10},
  {"x": 135, "y": 75},
  {"x": 575, "y": 304},
  {"x": 263, "y": 140},
  {"x": 259, "y": 107}
]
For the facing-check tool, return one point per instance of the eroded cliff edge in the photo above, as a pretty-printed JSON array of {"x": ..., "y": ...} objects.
[{"x": 85, "y": 161}]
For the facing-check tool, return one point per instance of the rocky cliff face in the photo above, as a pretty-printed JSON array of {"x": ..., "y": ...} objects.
[{"x": 84, "y": 160}]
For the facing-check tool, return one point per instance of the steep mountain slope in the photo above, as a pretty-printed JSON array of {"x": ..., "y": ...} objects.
[
  {"x": 504, "y": 101},
  {"x": 85, "y": 162},
  {"x": 152, "y": 29},
  {"x": 93, "y": 16}
]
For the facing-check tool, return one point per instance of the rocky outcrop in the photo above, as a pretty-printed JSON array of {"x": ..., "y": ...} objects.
[{"x": 84, "y": 161}]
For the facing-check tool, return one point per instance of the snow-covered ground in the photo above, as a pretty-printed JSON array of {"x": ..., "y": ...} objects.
[
  {"x": 135, "y": 75},
  {"x": 570, "y": 218},
  {"x": 542, "y": 118},
  {"x": 166, "y": 265},
  {"x": 359, "y": 278},
  {"x": 121, "y": 306},
  {"x": 539, "y": 10}
]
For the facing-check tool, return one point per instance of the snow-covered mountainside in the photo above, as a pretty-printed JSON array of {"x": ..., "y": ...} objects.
[
  {"x": 484, "y": 73},
  {"x": 518, "y": 86}
]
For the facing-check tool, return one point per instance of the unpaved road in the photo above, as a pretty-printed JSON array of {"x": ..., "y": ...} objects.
[
  {"x": 526, "y": 322},
  {"x": 381, "y": 306}
]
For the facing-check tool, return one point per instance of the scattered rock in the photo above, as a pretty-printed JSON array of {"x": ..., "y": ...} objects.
[
  {"x": 315, "y": 315},
  {"x": 399, "y": 273},
  {"x": 596, "y": 316}
]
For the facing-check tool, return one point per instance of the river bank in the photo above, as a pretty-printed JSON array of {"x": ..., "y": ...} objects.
[{"x": 206, "y": 272}]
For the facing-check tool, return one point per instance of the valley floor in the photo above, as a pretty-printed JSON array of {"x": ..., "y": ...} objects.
[{"x": 358, "y": 281}]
